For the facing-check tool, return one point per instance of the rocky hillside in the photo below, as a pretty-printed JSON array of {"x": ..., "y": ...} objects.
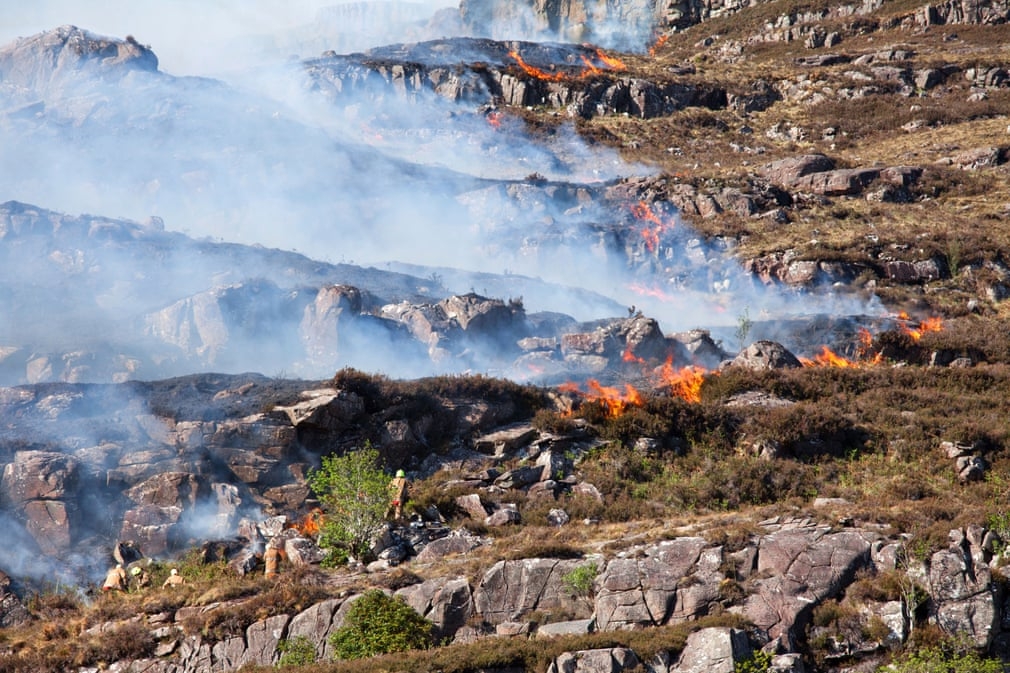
[{"x": 734, "y": 275}]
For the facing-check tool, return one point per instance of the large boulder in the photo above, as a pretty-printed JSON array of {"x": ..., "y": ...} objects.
[
  {"x": 643, "y": 592},
  {"x": 714, "y": 650},
  {"x": 763, "y": 355},
  {"x": 608, "y": 660},
  {"x": 797, "y": 568},
  {"x": 511, "y": 590},
  {"x": 41, "y": 488},
  {"x": 446, "y": 601},
  {"x": 963, "y": 599}
]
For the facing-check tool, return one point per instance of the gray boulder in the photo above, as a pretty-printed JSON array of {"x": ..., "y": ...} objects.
[
  {"x": 713, "y": 650},
  {"x": 446, "y": 602},
  {"x": 763, "y": 355}
]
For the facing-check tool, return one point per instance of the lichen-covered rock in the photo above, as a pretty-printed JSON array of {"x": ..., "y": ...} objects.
[
  {"x": 713, "y": 650},
  {"x": 446, "y": 602},
  {"x": 797, "y": 568},
  {"x": 511, "y": 590}
]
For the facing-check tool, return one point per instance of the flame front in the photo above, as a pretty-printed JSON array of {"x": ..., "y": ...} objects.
[
  {"x": 660, "y": 41},
  {"x": 629, "y": 356},
  {"x": 609, "y": 62},
  {"x": 685, "y": 382},
  {"x": 828, "y": 358},
  {"x": 934, "y": 324}
]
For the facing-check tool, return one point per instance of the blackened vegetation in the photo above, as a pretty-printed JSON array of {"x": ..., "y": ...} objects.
[{"x": 210, "y": 397}]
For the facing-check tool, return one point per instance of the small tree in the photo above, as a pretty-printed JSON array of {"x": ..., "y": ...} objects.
[
  {"x": 380, "y": 624},
  {"x": 354, "y": 493}
]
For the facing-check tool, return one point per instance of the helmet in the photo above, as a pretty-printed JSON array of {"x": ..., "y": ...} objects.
[
  {"x": 175, "y": 571},
  {"x": 401, "y": 473},
  {"x": 135, "y": 570}
]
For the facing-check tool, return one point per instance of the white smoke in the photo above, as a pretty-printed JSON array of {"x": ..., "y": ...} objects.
[{"x": 206, "y": 37}]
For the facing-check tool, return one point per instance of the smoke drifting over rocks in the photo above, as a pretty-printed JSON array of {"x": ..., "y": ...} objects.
[{"x": 294, "y": 219}]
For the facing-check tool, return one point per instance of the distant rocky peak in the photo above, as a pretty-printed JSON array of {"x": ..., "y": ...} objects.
[{"x": 65, "y": 50}]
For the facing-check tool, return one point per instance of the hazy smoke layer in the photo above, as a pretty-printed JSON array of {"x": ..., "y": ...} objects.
[{"x": 285, "y": 154}]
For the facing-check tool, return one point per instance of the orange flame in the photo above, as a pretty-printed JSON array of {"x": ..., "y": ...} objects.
[
  {"x": 653, "y": 292},
  {"x": 536, "y": 72},
  {"x": 660, "y": 41},
  {"x": 610, "y": 62},
  {"x": 493, "y": 119},
  {"x": 829, "y": 358},
  {"x": 642, "y": 211},
  {"x": 685, "y": 382},
  {"x": 629, "y": 356},
  {"x": 934, "y": 324},
  {"x": 612, "y": 399},
  {"x": 311, "y": 524}
]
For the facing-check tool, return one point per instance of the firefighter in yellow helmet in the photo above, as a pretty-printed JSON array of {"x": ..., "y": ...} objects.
[{"x": 398, "y": 493}]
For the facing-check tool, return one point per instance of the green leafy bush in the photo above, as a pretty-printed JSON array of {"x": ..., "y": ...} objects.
[
  {"x": 758, "y": 662},
  {"x": 943, "y": 660},
  {"x": 579, "y": 580},
  {"x": 379, "y": 624},
  {"x": 354, "y": 493},
  {"x": 297, "y": 651}
]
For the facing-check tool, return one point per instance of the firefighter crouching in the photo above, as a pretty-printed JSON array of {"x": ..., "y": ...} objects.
[{"x": 115, "y": 579}]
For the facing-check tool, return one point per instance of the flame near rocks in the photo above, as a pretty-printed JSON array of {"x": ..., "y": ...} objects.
[
  {"x": 934, "y": 324},
  {"x": 606, "y": 63},
  {"x": 311, "y": 524},
  {"x": 686, "y": 382},
  {"x": 642, "y": 212}
]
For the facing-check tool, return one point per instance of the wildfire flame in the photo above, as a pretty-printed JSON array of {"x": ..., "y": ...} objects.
[
  {"x": 536, "y": 72},
  {"x": 653, "y": 292},
  {"x": 660, "y": 41},
  {"x": 934, "y": 324},
  {"x": 612, "y": 399},
  {"x": 641, "y": 211},
  {"x": 311, "y": 524},
  {"x": 629, "y": 356},
  {"x": 828, "y": 358},
  {"x": 493, "y": 119},
  {"x": 609, "y": 62},
  {"x": 685, "y": 382}
]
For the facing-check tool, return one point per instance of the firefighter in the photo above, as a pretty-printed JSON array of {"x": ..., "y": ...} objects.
[
  {"x": 272, "y": 559},
  {"x": 140, "y": 578},
  {"x": 174, "y": 579},
  {"x": 115, "y": 580},
  {"x": 398, "y": 491}
]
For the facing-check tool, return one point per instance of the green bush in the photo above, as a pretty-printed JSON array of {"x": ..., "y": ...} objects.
[
  {"x": 942, "y": 660},
  {"x": 379, "y": 624},
  {"x": 297, "y": 651},
  {"x": 579, "y": 580},
  {"x": 354, "y": 493},
  {"x": 758, "y": 662}
]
